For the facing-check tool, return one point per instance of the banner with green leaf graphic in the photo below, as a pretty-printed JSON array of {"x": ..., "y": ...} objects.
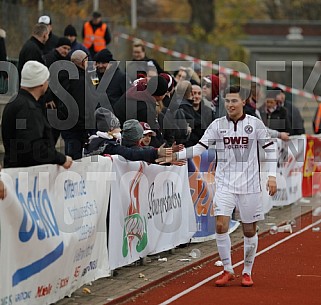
[{"x": 151, "y": 210}]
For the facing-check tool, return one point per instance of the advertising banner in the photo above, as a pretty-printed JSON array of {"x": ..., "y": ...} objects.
[
  {"x": 151, "y": 210},
  {"x": 311, "y": 183},
  {"x": 53, "y": 230},
  {"x": 201, "y": 174}
]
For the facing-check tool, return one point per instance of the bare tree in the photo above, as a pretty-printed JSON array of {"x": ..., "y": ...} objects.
[{"x": 203, "y": 14}]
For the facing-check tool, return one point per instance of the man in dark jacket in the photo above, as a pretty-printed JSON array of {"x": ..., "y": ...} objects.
[
  {"x": 26, "y": 134},
  {"x": 59, "y": 53},
  {"x": 71, "y": 33},
  {"x": 76, "y": 134},
  {"x": 33, "y": 48},
  {"x": 295, "y": 119},
  {"x": 52, "y": 38},
  {"x": 108, "y": 72},
  {"x": 273, "y": 115}
]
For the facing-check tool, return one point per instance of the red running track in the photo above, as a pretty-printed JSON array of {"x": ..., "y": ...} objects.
[{"x": 287, "y": 271}]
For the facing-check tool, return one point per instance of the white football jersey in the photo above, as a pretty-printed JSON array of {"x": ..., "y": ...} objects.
[{"x": 237, "y": 152}]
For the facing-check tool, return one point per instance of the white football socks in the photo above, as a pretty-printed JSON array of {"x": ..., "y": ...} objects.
[
  {"x": 223, "y": 243},
  {"x": 250, "y": 247}
]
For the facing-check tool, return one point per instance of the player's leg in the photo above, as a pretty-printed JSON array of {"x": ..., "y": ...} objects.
[
  {"x": 251, "y": 211},
  {"x": 224, "y": 205}
]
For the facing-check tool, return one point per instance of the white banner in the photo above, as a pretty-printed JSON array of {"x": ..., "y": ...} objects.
[
  {"x": 151, "y": 210},
  {"x": 53, "y": 230},
  {"x": 291, "y": 156}
]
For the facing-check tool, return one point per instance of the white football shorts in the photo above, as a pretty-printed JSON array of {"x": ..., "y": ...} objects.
[{"x": 250, "y": 206}]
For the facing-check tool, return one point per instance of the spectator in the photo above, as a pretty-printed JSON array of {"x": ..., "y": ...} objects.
[
  {"x": 180, "y": 74},
  {"x": 106, "y": 140},
  {"x": 52, "y": 102},
  {"x": 139, "y": 102},
  {"x": 251, "y": 109},
  {"x": 166, "y": 118},
  {"x": 147, "y": 135},
  {"x": 131, "y": 134},
  {"x": 191, "y": 119},
  {"x": 96, "y": 34},
  {"x": 59, "y": 53},
  {"x": 295, "y": 119},
  {"x": 139, "y": 63},
  {"x": 33, "y": 48},
  {"x": 71, "y": 33},
  {"x": 274, "y": 116},
  {"x": 3, "y": 51},
  {"x": 3, "y": 57},
  {"x": 26, "y": 133},
  {"x": 211, "y": 92},
  {"x": 117, "y": 81},
  {"x": 76, "y": 136},
  {"x": 52, "y": 41},
  {"x": 206, "y": 113},
  {"x": 316, "y": 123}
]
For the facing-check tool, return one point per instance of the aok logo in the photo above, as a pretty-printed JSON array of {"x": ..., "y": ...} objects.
[{"x": 38, "y": 218}]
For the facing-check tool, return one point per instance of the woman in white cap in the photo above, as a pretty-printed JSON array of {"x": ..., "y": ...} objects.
[{"x": 26, "y": 133}]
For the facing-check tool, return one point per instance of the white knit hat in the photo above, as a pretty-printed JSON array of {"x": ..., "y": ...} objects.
[{"x": 34, "y": 74}]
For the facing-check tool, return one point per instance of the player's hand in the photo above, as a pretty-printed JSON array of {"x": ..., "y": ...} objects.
[
  {"x": 177, "y": 148},
  {"x": 271, "y": 186}
]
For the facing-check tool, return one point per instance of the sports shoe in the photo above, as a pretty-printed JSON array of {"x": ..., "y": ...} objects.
[
  {"x": 224, "y": 278},
  {"x": 247, "y": 280}
]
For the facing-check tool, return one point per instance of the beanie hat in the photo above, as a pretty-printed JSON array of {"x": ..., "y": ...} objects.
[
  {"x": 63, "y": 41},
  {"x": 96, "y": 15},
  {"x": 157, "y": 86},
  {"x": 70, "y": 31},
  {"x": 103, "y": 56},
  {"x": 33, "y": 74},
  {"x": 170, "y": 81},
  {"x": 132, "y": 130},
  {"x": 44, "y": 19},
  {"x": 106, "y": 120},
  {"x": 147, "y": 129}
]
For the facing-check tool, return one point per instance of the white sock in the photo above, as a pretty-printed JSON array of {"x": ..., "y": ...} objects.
[
  {"x": 250, "y": 247},
  {"x": 223, "y": 243}
]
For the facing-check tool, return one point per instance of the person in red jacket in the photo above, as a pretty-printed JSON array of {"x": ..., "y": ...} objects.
[{"x": 96, "y": 34}]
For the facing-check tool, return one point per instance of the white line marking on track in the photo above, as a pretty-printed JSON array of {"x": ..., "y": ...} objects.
[{"x": 177, "y": 296}]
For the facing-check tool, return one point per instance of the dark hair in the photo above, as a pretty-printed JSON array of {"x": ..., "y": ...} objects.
[
  {"x": 139, "y": 44},
  {"x": 271, "y": 94},
  {"x": 244, "y": 93},
  {"x": 278, "y": 89}
]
